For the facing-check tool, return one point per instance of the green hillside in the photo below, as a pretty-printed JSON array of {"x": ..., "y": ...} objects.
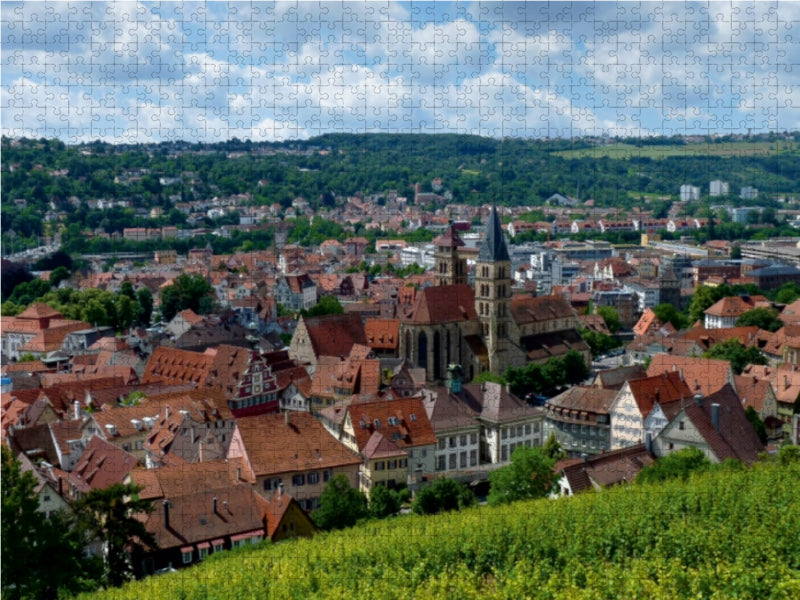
[{"x": 727, "y": 534}]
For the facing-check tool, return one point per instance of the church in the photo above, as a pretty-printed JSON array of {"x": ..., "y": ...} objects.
[{"x": 483, "y": 327}]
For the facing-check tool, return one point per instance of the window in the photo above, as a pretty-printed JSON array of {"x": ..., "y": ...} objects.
[
  {"x": 473, "y": 458},
  {"x": 299, "y": 479},
  {"x": 462, "y": 459},
  {"x": 423, "y": 453},
  {"x": 473, "y": 438},
  {"x": 187, "y": 556},
  {"x": 504, "y": 433},
  {"x": 393, "y": 421},
  {"x": 380, "y": 465},
  {"x": 528, "y": 429},
  {"x": 403, "y": 463},
  {"x": 442, "y": 443},
  {"x": 377, "y": 423},
  {"x": 452, "y": 461},
  {"x": 452, "y": 441},
  {"x": 202, "y": 552},
  {"x": 272, "y": 484},
  {"x": 504, "y": 452},
  {"x": 463, "y": 440},
  {"x": 326, "y": 475},
  {"x": 217, "y": 546},
  {"x": 680, "y": 425},
  {"x": 313, "y": 478},
  {"x": 440, "y": 463}
]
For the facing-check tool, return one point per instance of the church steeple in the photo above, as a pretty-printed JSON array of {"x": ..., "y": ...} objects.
[
  {"x": 493, "y": 293},
  {"x": 494, "y": 243}
]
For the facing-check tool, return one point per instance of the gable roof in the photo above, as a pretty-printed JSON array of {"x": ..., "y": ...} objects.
[
  {"x": 286, "y": 443},
  {"x": 443, "y": 304},
  {"x": 449, "y": 239},
  {"x": 647, "y": 322},
  {"x": 607, "y": 469},
  {"x": 528, "y": 309},
  {"x": 661, "y": 388},
  {"x": 174, "y": 481},
  {"x": 382, "y": 334},
  {"x": 334, "y": 335},
  {"x": 499, "y": 405},
  {"x": 702, "y": 375},
  {"x": 580, "y": 398},
  {"x": 736, "y": 437},
  {"x": 101, "y": 465},
  {"x": 403, "y": 420}
]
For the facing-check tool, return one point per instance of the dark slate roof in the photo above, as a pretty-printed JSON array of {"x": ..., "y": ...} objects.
[{"x": 494, "y": 244}]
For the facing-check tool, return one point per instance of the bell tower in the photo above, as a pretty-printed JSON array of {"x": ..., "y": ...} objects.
[
  {"x": 451, "y": 267},
  {"x": 493, "y": 293}
]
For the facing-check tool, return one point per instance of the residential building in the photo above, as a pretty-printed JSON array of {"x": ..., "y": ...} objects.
[
  {"x": 716, "y": 424},
  {"x": 579, "y": 419},
  {"x": 292, "y": 450},
  {"x": 595, "y": 473}
]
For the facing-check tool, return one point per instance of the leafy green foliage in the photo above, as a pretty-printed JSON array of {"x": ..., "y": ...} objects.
[
  {"x": 763, "y": 318},
  {"x": 699, "y": 538},
  {"x": 758, "y": 424},
  {"x": 535, "y": 378},
  {"x": 384, "y": 502},
  {"x": 599, "y": 343},
  {"x": 611, "y": 318},
  {"x": 678, "y": 465},
  {"x": 443, "y": 495},
  {"x": 667, "y": 313},
  {"x": 340, "y": 505},
  {"x": 42, "y": 556},
  {"x": 739, "y": 356},
  {"x": 488, "y": 376},
  {"x": 327, "y": 305},
  {"x": 530, "y": 475},
  {"x": 186, "y": 291},
  {"x": 553, "y": 449},
  {"x": 110, "y": 515}
]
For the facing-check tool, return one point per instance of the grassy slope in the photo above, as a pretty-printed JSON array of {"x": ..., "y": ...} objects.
[
  {"x": 724, "y": 535},
  {"x": 626, "y": 151}
]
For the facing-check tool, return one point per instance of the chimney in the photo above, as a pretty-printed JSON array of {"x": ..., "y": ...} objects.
[
  {"x": 280, "y": 489},
  {"x": 214, "y": 505},
  {"x": 200, "y": 451},
  {"x": 698, "y": 398},
  {"x": 715, "y": 416},
  {"x": 648, "y": 442},
  {"x": 287, "y": 417},
  {"x": 165, "y": 503},
  {"x": 76, "y": 407},
  {"x": 225, "y": 504},
  {"x": 584, "y": 457},
  {"x": 166, "y": 411},
  {"x": 681, "y": 374}
]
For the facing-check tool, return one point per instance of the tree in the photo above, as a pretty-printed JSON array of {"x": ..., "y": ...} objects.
[
  {"x": 667, "y": 313},
  {"x": 340, "y": 505},
  {"x": 327, "y": 305},
  {"x": 734, "y": 352},
  {"x": 553, "y": 449},
  {"x": 186, "y": 291},
  {"x": 611, "y": 318},
  {"x": 574, "y": 367},
  {"x": 110, "y": 516},
  {"x": 736, "y": 252},
  {"x": 757, "y": 423},
  {"x": 530, "y": 475},
  {"x": 144, "y": 301},
  {"x": 763, "y": 318},
  {"x": 58, "y": 275},
  {"x": 702, "y": 299},
  {"x": 42, "y": 556},
  {"x": 599, "y": 343},
  {"x": 383, "y": 502},
  {"x": 443, "y": 495},
  {"x": 678, "y": 465},
  {"x": 787, "y": 293}
]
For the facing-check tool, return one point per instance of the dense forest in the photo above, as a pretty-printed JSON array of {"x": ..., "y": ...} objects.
[
  {"x": 728, "y": 533},
  {"x": 42, "y": 175}
]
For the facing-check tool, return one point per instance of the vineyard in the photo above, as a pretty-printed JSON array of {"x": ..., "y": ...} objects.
[{"x": 728, "y": 534}]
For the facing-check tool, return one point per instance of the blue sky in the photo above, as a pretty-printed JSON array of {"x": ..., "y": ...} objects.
[{"x": 138, "y": 72}]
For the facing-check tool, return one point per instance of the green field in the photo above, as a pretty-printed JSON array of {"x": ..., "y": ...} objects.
[
  {"x": 726, "y": 534},
  {"x": 627, "y": 151}
]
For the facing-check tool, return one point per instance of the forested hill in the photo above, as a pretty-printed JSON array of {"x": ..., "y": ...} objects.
[
  {"x": 474, "y": 169},
  {"x": 731, "y": 533}
]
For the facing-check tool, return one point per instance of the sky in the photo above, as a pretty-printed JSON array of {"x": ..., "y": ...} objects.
[{"x": 127, "y": 72}]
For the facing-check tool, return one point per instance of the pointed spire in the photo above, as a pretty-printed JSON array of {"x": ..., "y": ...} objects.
[{"x": 494, "y": 244}]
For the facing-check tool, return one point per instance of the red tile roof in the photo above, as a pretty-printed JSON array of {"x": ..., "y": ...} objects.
[
  {"x": 702, "y": 375},
  {"x": 286, "y": 443},
  {"x": 661, "y": 388},
  {"x": 527, "y": 309},
  {"x": 443, "y": 304},
  {"x": 334, "y": 335},
  {"x": 101, "y": 465},
  {"x": 402, "y": 420},
  {"x": 382, "y": 334}
]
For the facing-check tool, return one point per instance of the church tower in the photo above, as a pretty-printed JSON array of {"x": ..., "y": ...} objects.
[
  {"x": 493, "y": 293},
  {"x": 451, "y": 267}
]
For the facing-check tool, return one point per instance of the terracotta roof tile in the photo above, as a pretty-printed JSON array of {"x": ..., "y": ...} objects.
[
  {"x": 661, "y": 388},
  {"x": 403, "y": 420},
  {"x": 702, "y": 375},
  {"x": 275, "y": 446},
  {"x": 334, "y": 335},
  {"x": 443, "y": 304},
  {"x": 527, "y": 309}
]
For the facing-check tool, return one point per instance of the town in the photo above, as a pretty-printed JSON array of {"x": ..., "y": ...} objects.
[{"x": 380, "y": 342}]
